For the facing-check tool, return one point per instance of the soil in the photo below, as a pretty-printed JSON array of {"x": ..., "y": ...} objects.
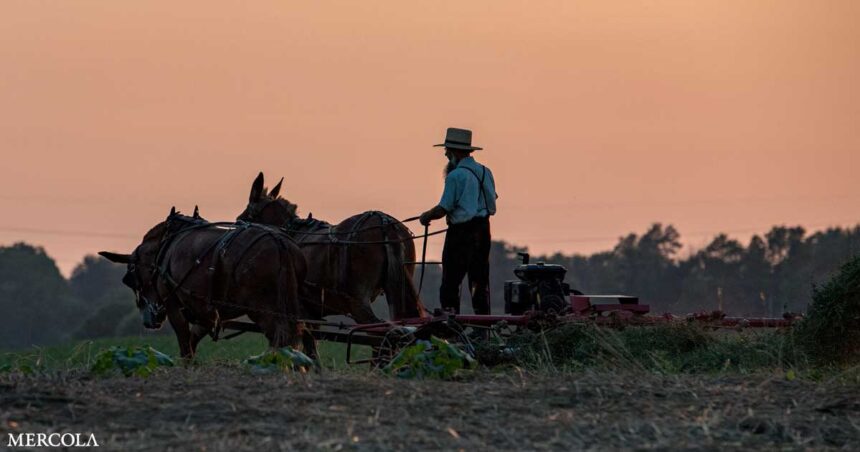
[{"x": 227, "y": 408}]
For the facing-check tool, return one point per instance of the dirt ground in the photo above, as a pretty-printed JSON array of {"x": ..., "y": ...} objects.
[{"x": 225, "y": 409}]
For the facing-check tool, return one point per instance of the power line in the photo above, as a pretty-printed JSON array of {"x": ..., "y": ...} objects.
[
  {"x": 99, "y": 234},
  {"x": 68, "y": 232},
  {"x": 572, "y": 204},
  {"x": 683, "y": 234}
]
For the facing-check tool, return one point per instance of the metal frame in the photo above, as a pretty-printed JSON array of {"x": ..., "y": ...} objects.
[{"x": 603, "y": 310}]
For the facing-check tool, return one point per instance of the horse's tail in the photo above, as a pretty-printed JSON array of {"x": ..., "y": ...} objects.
[{"x": 403, "y": 299}]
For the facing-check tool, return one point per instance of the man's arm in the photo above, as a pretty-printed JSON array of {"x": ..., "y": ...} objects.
[
  {"x": 450, "y": 195},
  {"x": 433, "y": 214}
]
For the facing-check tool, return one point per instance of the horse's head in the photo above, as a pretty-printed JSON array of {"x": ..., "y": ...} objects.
[
  {"x": 141, "y": 275},
  {"x": 267, "y": 207}
]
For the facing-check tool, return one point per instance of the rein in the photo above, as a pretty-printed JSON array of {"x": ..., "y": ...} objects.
[
  {"x": 335, "y": 241},
  {"x": 165, "y": 273},
  {"x": 331, "y": 233},
  {"x": 253, "y": 212},
  {"x": 423, "y": 259},
  {"x": 160, "y": 270},
  {"x": 355, "y": 231}
]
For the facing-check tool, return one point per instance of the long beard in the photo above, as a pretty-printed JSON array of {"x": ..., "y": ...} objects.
[{"x": 450, "y": 167}]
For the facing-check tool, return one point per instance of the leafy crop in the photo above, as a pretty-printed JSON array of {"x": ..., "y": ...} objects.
[
  {"x": 435, "y": 358},
  {"x": 134, "y": 360},
  {"x": 282, "y": 360}
]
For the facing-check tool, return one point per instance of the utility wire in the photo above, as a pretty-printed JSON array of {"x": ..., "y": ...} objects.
[
  {"x": 98, "y": 234},
  {"x": 684, "y": 234},
  {"x": 67, "y": 232}
]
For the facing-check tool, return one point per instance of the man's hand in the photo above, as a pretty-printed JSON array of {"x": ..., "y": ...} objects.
[
  {"x": 425, "y": 219},
  {"x": 432, "y": 214}
]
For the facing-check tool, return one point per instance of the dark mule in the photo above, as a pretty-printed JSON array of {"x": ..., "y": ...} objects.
[
  {"x": 349, "y": 264},
  {"x": 198, "y": 274}
]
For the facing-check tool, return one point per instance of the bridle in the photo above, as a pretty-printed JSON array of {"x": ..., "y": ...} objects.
[{"x": 156, "y": 308}]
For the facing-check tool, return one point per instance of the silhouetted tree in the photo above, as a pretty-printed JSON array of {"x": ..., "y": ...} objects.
[
  {"x": 109, "y": 305},
  {"x": 36, "y": 304},
  {"x": 773, "y": 273}
]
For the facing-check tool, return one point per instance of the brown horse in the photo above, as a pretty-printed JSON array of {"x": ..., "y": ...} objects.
[
  {"x": 349, "y": 264},
  {"x": 198, "y": 274}
]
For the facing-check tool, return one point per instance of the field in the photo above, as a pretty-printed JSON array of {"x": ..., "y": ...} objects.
[{"x": 218, "y": 404}]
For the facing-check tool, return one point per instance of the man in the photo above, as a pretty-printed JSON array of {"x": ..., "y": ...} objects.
[{"x": 467, "y": 202}]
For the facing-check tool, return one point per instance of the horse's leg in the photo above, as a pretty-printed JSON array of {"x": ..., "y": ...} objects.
[
  {"x": 273, "y": 322},
  {"x": 413, "y": 298},
  {"x": 274, "y": 330},
  {"x": 355, "y": 301},
  {"x": 309, "y": 344},
  {"x": 400, "y": 293},
  {"x": 361, "y": 312},
  {"x": 182, "y": 329},
  {"x": 198, "y": 332}
]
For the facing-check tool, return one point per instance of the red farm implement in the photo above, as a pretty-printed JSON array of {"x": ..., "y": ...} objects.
[{"x": 538, "y": 299}]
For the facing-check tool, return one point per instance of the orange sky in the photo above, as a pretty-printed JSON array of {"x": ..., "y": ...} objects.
[{"x": 598, "y": 118}]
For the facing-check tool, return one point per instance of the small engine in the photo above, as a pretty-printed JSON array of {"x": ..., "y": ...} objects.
[{"x": 540, "y": 287}]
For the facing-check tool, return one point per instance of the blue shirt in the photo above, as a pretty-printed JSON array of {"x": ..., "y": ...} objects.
[{"x": 463, "y": 197}]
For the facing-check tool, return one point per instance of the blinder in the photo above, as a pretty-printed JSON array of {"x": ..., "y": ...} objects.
[{"x": 133, "y": 280}]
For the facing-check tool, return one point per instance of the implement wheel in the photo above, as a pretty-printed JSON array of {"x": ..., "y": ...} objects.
[{"x": 392, "y": 343}]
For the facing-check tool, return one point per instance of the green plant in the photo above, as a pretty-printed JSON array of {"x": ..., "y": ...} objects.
[
  {"x": 830, "y": 331},
  {"x": 134, "y": 360},
  {"x": 435, "y": 358},
  {"x": 280, "y": 360}
]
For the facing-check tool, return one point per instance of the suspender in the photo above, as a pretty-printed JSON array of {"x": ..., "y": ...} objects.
[{"x": 481, "y": 193}]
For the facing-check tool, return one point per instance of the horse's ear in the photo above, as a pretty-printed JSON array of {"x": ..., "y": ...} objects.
[
  {"x": 274, "y": 193},
  {"x": 116, "y": 257},
  {"x": 173, "y": 210},
  {"x": 256, "y": 189},
  {"x": 196, "y": 212}
]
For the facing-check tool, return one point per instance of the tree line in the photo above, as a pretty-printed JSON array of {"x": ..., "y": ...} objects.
[
  {"x": 41, "y": 307},
  {"x": 771, "y": 274}
]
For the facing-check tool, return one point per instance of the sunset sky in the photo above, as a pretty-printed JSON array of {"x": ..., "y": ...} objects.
[{"x": 597, "y": 118}]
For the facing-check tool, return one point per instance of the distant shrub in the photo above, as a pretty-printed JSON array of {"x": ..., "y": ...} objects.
[{"x": 830, "y": 332}]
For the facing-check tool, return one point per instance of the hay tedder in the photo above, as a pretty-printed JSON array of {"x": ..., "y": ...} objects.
[{"x": 537, "y": 300}]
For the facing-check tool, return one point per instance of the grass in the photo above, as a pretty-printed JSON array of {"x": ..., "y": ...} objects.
[
  {"x": 666, "y": 349},
  {"x": 827, "y": 340},
  {"x": 80, "y": 354}
]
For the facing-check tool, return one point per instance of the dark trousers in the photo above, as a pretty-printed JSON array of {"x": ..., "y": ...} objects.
[{"x": 466, "y": 252}]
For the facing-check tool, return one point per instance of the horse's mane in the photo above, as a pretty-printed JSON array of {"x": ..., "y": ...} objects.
[
  {"x": 308, "y": 224},
  {"x": 297, "y": 222},
  {"x": 280, "y": 199},
  {"x": 157, "y": 232},
  {"x": 291, "y": 206}
]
